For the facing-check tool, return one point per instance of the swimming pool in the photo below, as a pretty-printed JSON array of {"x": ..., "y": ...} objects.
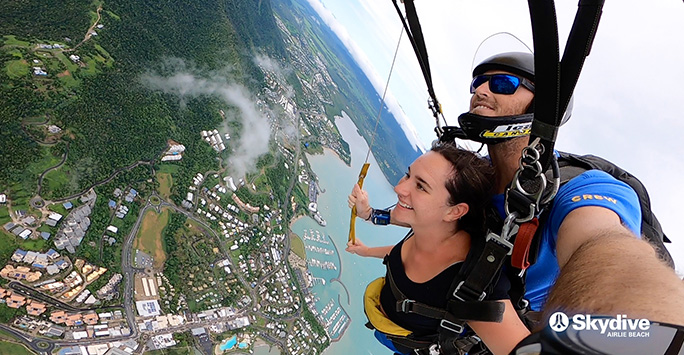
[{"x": 229, "y": 343}]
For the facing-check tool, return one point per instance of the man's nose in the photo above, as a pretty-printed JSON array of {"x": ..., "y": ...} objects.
[{"x": 483, "y": 89}]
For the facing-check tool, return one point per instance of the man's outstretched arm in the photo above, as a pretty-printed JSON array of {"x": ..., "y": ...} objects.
[{"x": 606, "y": 270}]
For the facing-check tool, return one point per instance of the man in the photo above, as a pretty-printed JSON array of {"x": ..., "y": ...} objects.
[{"x": 590, "y": 245}]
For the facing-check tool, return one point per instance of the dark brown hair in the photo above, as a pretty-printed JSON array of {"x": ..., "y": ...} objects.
[{"x": 471, "y": 182}]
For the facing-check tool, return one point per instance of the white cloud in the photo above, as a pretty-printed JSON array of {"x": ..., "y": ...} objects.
[{"x": 188, "y": 83}]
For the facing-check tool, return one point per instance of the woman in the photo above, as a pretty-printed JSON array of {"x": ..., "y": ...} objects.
[{"x": 442, "y": 199}]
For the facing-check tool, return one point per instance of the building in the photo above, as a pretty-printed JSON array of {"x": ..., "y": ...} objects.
[
  {"x": 80, "y": 335},
  {"x": 30, "y": 257},
  {"x": 55, "y": 331},
  {"x": 52, "y": 254},
  {"x": 36, "y": 308},
  {"x": 58, "y": 317},
  {"x": 18, "y": 255},
  {"x": 52, "y": 269},
  {"x": 112, "y": 229},
  {"x": 38, "y": 71},
  {"x": 21, "y": 273},
  {"x": 3, "y": 198},
  {"x": 172, "y": 157},
  {"x": 147, "y": 308},
  {"x": 73, "y": 320},
  {"x": 15, "y": 301},
  {"x": 68, "y": 205},
  {"x": 62, "y": 264},
  {"x": 9, "y": 226},
  {"x": 25, "y": 234},
  {"x": 18, "y": 230},
  {"x": 54, "y": 129},
  {"x": 90, "y": 318},
  {"x": 45, "y": 235},
  {"x": 132, "y": 193}
]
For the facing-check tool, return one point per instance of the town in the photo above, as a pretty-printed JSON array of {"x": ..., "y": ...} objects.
[{"x": 211, "y": 266}]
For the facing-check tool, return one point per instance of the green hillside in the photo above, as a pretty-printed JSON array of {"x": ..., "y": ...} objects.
[{"x": 109, "y": 119}]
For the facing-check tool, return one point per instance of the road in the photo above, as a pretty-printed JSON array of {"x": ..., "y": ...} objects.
[
  {"x": 29, "y": 292},
  {"x": 40, "y": 179},
  {"x": 38, "y": 345},
  {"x": 46, "y": 346}
]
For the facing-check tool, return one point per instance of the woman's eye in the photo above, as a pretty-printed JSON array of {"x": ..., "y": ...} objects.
[
  {"x": 406, "y": 175},
  {"x": 420, "y": 187}
]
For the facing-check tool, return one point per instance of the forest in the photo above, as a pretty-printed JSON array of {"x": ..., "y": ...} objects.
[{"x": 111, "y": 120}]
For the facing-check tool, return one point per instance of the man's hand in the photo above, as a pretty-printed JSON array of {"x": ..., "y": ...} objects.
[{"x": 359, "y": 198}]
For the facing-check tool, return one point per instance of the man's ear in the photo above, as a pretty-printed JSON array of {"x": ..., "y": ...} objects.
[{"x": 457, "y": 211}]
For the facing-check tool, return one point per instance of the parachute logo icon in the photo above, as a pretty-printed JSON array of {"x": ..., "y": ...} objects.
[{"x": 559, "y": 322}]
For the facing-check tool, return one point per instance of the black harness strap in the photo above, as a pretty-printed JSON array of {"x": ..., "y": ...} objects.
[
  {"x": 554, "y": 80},
  {"x": 458, "y": 310}
]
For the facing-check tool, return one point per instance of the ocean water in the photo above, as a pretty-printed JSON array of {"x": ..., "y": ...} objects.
[{"x": 345, "y": 286}]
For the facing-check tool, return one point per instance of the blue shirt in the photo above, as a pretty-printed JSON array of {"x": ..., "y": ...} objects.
[{"x": 592, "y": 188}]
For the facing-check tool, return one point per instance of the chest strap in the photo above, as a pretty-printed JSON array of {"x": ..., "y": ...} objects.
[{"x": 460, "y": 308}]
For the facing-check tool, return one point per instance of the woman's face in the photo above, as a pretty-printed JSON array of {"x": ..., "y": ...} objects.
[{"x": 423, "y": 197}]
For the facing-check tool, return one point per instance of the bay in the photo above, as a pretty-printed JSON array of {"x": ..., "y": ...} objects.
[{"x": 345, "y": 286}]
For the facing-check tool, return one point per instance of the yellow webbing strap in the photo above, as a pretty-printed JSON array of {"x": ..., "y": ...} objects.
[
  {"x": 371, "y": 305},
  {"x": 352, "y": 222}
]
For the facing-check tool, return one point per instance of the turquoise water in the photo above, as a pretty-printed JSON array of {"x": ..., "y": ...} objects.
[
  {"x": 229, "y": 343},
  {"x": 266, "y": 350},
  {"x": 337, "y": 180}
]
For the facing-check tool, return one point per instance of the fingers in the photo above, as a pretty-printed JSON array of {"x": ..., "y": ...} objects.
[
  {"x": 357, "y": 248},
  {"x": 351, "y": 201},
  {"x": 351, "y": 248},
  {"x": 356, "y": 190}
]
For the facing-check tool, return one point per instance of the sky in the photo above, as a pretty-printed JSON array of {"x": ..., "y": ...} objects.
[{"x": 627, "y": 103}]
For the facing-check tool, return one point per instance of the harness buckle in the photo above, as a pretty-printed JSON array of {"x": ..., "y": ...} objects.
[
  {"x": 501, "y": 241},
  {"x": 407, "y": 305},
  {"x": 479, "y": 297},
  {"x": 451, "y": 326}
]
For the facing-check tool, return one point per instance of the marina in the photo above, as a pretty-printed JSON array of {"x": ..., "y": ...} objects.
[
  {"x": 325, "y": 265},
  {"x": 318, "y": 238},
  {"x": 319, "y": 250},
  {"x": 327, "y": 308}
]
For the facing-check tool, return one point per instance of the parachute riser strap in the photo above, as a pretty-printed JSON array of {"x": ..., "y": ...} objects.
[
  {"x": 555, "y": 80},
  {"x": 547, "y": 77},
  {"x": 415, "y": 35}
]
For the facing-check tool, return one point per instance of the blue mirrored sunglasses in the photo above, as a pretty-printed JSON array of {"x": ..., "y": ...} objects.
[{"x": 505, "y": 84}]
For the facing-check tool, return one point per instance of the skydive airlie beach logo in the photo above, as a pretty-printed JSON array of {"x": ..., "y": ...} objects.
[{"x": 611, "y": 327}]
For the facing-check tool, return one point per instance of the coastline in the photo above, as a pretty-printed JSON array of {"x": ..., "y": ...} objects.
[
  {"x": 294, "y": 220},
  {"x": 336, "y": 155}
]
